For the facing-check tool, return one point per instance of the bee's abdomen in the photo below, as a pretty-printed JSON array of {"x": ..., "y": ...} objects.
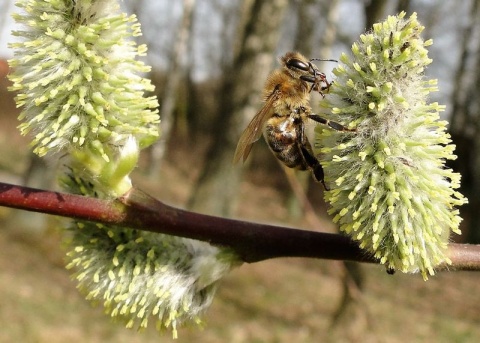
[{"x": 283, "y": 141}]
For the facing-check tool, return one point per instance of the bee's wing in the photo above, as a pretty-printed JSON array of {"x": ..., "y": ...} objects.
[{"x": 254, "y": 129}]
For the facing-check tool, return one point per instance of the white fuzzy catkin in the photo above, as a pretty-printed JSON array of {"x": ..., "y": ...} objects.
[
  {"x": 390, "y": 188},
  {"x": 77, "y": 77},
  {"x": 141, "y": 276}
]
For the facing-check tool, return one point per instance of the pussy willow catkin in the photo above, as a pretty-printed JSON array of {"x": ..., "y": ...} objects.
[
  {"x": 139, "y": 276},
  {"x": 390, "y": 188},
  {"x": 77, "y": 77}
]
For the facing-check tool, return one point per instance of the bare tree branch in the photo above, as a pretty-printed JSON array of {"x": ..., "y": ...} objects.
[{"x": 252, "y": 242}]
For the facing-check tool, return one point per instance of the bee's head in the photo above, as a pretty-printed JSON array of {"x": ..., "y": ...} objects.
[{"x": 297, "y": 65}]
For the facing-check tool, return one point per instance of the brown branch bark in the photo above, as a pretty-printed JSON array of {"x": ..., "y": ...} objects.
[{"x": 252, "y": 242}]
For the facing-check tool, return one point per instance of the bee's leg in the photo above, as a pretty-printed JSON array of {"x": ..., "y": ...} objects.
[
  {"x": 309, "y": 158},
  {"x": 332, "y": 124},
  {"x": 317, "y": 169},
  {"x": 313, "y": 81},
  {"x": 327, "y": 87}
]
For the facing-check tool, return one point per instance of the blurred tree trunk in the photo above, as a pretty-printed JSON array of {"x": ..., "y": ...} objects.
[
  {"x": 329, "y": 34},
  {"x": 307, "y": 14},
  {"x": 403, "y": 5},
  {"x": 3, "y": 15},
  {"x": 465, "y": 122},
  {"x": 189, "y": 122},
  {"x": 176, "y": 73},
  {"x": 221, "y": 56},
  {"x": 218, "y": 184},
  {"x": 374, "y": 12}
]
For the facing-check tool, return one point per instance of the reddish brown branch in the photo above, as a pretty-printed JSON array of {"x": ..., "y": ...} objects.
[{"x": 252, "y": 242}]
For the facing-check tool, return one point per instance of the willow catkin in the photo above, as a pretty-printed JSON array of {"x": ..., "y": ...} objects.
[{"x": 390, "y": 188}]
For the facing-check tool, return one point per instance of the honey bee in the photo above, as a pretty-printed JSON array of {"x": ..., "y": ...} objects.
[{"x": 285, "y": 110}]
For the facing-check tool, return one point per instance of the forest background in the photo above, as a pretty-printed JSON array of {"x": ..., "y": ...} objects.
[{"x": 210, "y": 59}]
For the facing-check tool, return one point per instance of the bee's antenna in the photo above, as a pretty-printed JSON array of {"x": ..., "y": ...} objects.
[{"x": 321, "y": 59}]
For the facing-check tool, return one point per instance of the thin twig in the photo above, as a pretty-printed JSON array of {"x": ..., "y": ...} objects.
[{"x": 251, "y": 241}]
